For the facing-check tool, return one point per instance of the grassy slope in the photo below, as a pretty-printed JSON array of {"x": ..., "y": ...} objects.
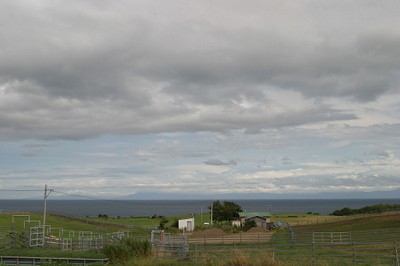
[
  {"x": 147, "y": 222},
  {"x": 66, "y": 223},
  {"x": 356, "y": 223},
  {"x": 325, "y": 223},
  {"x": 302, "y": 219}
]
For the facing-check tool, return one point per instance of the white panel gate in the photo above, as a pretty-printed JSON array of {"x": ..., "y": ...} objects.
[{"x": 36, "y": 236}]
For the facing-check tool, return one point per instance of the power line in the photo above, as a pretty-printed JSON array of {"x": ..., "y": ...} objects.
[
  {"x": 40, "y": 190},
  {"x": 87, "y": 197},
  {"x": 60, "y": 192},
  {"x": 35, "y": 190},
  {"x": 76, "y": 195}
]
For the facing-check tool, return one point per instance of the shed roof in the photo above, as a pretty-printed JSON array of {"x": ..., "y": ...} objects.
[{"x": 254, "y": 214}]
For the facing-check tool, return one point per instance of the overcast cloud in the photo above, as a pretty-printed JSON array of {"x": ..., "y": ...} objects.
[{"x": 200, "y": 96}]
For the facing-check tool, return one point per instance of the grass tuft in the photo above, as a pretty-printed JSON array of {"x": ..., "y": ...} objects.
[{"x": 127, "y": 249}]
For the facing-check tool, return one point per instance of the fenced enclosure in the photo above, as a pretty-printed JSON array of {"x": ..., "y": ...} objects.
[
  {"x": 303, "y": 254},
  {"x": 281, "y": 249},
  {"x": 46, "y": 237},
  {"x": 289, "y": 246},
  {"x": 237, "y": 238}
]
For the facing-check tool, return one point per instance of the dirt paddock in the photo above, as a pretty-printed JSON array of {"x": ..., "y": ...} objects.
[{"x": 217, "y": 236}]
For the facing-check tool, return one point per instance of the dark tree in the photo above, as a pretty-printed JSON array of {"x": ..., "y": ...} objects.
[
  {"x": 227, "y": 211},
  {"x": 249, "y": 224},
  {"x": 378, "y": 208},
  {"x": 163, "y": 222}
]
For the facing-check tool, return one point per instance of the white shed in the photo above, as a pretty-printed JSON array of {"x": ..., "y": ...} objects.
[{"x": 186, "y": 224}]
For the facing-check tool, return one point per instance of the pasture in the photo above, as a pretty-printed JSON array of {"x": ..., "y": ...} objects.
[{"x": 373, "y": 240}]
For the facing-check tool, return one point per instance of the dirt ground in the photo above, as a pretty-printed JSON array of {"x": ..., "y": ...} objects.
[
  {"x": 207, "y": 232},
  {"x": 257, "y": 230}
]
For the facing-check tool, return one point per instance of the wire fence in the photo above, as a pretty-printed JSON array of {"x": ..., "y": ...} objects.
[
  {"x": 45, "y": 237},
  {"x": 286, "y": 247},
  {"x": 16, "y": 260},
  {"x": 290, "y": 246},
  {"x": 237, "y": 238},
  {"x": 298, "y": 220},
  {"x": 376, "y": 235},
  {"x": 300, "y": 254}
]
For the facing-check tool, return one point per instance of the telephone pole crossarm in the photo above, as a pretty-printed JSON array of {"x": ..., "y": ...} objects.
[{"x": 47, "y": 192}]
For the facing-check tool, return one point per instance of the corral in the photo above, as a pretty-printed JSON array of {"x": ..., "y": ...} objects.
[
  {"x": 294, "y": 246},
  {"x": 370, "y": 240}
]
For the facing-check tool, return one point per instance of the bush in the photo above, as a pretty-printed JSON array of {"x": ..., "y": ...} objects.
[
  {"x": 175, "y": 224},
  {"x": 19, "y": 239},
  {"x": 103, "y": 216},
  {"x": 242, "y": 259},
  {"x": 126, "y": 249},
  {"x": 378, "y": 208},
  {"x": 239, "y": 259},
  {"x": 249, "y": 224},
  {"x": 163, "y": 222}
]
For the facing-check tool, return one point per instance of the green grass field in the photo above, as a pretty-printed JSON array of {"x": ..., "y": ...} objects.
[
  {"x": 369, "y": 226},
  {"x": 22, "y": 220},
  {"x": 148, "y": 222}
]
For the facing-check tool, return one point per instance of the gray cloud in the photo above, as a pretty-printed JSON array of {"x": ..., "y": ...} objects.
[
  {"x": 135, "y": 67},
  {"x": 381, "y": 153},
  {"x": 219, "y": 162}
]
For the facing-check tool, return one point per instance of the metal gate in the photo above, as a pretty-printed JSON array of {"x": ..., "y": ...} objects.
[
  {"x": 331, "y": 237},
  {"x": 36, "y": 236}
]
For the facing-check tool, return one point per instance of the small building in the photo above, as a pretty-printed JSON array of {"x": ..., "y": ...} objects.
[
  {"x": 236, "y": 223},
  {"x": 261, "y": 218},
  {"x": 186, "y": 224}
]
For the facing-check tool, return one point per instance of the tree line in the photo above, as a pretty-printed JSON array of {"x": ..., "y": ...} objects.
[{"x": 378, "y": 208}]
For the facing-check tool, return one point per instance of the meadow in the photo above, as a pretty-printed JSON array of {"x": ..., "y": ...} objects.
[{"x": 279, "y": 250}]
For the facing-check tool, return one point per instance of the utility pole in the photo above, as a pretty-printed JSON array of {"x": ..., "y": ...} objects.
[
  {"x": 46, "y": 194},
  {"x": 201, "y": 217},
  {"x": 212, "y": 210}
]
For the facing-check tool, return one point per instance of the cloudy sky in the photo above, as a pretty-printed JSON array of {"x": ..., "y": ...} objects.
[{"x": 113, "y": 98}]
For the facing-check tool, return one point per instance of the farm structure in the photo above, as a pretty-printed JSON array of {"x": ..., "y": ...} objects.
[
  {"x": 261, "y": 218},
  {"x": 186, "y": 224}
]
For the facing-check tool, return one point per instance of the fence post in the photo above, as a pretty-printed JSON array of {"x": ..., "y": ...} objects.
[
  {"x": 354, "y": 254},
  {"x": 396, "y": 253},
  {"x": 196, "y": 253},
  {"x": 313, "y": 254},
  {"x": 273, "y": 252},
  {"x": 13, "y": 236},
  {"x": 156, "y": 249}
]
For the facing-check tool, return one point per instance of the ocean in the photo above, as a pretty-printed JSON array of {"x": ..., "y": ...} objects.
[{"x": 144, "y": 208}]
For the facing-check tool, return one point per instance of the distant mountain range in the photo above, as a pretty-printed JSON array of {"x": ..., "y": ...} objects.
[
  {"x": 155, "y": 195},
  {"x": 236, "y": 196}
]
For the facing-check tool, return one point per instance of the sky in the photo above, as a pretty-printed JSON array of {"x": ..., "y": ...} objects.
[{"x": 113, "y": 99}]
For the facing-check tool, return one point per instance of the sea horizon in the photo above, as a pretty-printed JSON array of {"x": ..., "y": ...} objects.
[{"x": 170, "y": 207}]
